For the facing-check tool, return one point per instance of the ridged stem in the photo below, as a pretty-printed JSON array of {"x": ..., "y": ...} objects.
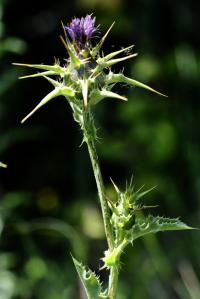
[
  {"x": 101, "y": 192},
  {"x": 113, "y": 281}
]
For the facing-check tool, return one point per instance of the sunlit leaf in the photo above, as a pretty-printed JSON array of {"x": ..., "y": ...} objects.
[
  {"x": 117, "y": 78},
  {"x": 151, "y": 225}
]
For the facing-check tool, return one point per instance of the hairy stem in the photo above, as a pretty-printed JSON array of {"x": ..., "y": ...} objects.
[
  {"x": 113, "y": 277},
  {"x": 114, "y": 272},
  {"x": 89, "y": 132},
  {"x": 113, "y": 281},
  {"x": 101, "y": 192}
]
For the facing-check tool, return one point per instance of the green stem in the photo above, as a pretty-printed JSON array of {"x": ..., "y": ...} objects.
[
  {"x": 114, "y": 273},
  {"x": 113, "y": 281},
  {"x": 101, "y": 191},
  {"x": 89, "y": 132}
]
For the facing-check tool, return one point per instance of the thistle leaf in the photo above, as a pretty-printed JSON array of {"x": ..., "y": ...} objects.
[
  {"x": 3, "y": 165},
  {"x": 115, "y": 78},
  {"x": 59, "y": 90},
  {"x": 90, "y": 281},
  {"x": 54, "y": 93},
  {"x": 98, "y": 95},
  {"x": 104, "y": 64},
  {"x": 152, "y": 225},
  {"x": 54, "y": 68}
]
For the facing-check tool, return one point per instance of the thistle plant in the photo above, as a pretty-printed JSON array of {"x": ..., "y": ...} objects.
[{"x": 85, "y": 78}]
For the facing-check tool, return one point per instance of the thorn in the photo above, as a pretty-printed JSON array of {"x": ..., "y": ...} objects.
[
  {"x": 54, "y": 93},
  {"x": 111, "y": 55},
  {"x": 53, "y": 82},
  {"x": 115, "y": 78},
  {"x": 115, "y": 186},
  {"x": 55, "y": 68},
  {"x": 64, "y": 30},
  {"x": 48, "y": 73},
  {"x": 99, "y": 45},
  {"x": 117, "y": 60},
  {"x": 64, "y": 43}
]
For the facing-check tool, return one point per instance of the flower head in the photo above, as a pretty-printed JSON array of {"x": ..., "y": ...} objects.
[
  {"x": 84, "y": 78},
  {"x": 81, "y": 30}
]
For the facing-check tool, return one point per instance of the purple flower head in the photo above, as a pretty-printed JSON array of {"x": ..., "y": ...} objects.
[{"x": 81, "y": 30}]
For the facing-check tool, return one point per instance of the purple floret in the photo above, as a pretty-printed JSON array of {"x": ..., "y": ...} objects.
[
  {"x": 89, "y": 26},
  {"x": 81, "y": 30}
]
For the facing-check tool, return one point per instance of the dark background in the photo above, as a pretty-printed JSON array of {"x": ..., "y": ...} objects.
[{"x": 48, "y": 198}]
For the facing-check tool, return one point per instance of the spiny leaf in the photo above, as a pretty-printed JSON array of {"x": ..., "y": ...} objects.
[
  {"x": 100, "y": 44},
  {"x": 90, "y": 281},
  {"x": 110, "y": 94},
  {"x": 111, "y": 62},
  {"x": 53, "y": 82},
  {"x": 151, "y": 224},
  {"x": 98, "y": 95},
  {"x": 115, "y": 78},
  {"x": 54, "y": 93},
  {"x": 59, "y": 90}
]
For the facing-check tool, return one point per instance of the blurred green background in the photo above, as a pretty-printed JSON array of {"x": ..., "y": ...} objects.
[{"x": 48, "y": 198}]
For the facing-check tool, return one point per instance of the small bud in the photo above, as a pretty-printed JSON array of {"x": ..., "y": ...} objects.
[{"x": 112, "y": 258}]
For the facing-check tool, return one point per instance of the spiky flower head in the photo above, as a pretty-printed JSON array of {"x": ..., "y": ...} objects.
[
  {"x": 81, "y": 30},
  {"x": 86, "y": 77}
]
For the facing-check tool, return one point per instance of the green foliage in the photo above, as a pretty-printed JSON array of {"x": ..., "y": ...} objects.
[
  {"x": 130, "y": 224},
  {"x": 90, "y": 282},
  {"x": 152, "y": 225}
]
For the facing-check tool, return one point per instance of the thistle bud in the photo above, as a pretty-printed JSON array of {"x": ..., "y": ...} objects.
[{"x": 80, "y": 31}]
